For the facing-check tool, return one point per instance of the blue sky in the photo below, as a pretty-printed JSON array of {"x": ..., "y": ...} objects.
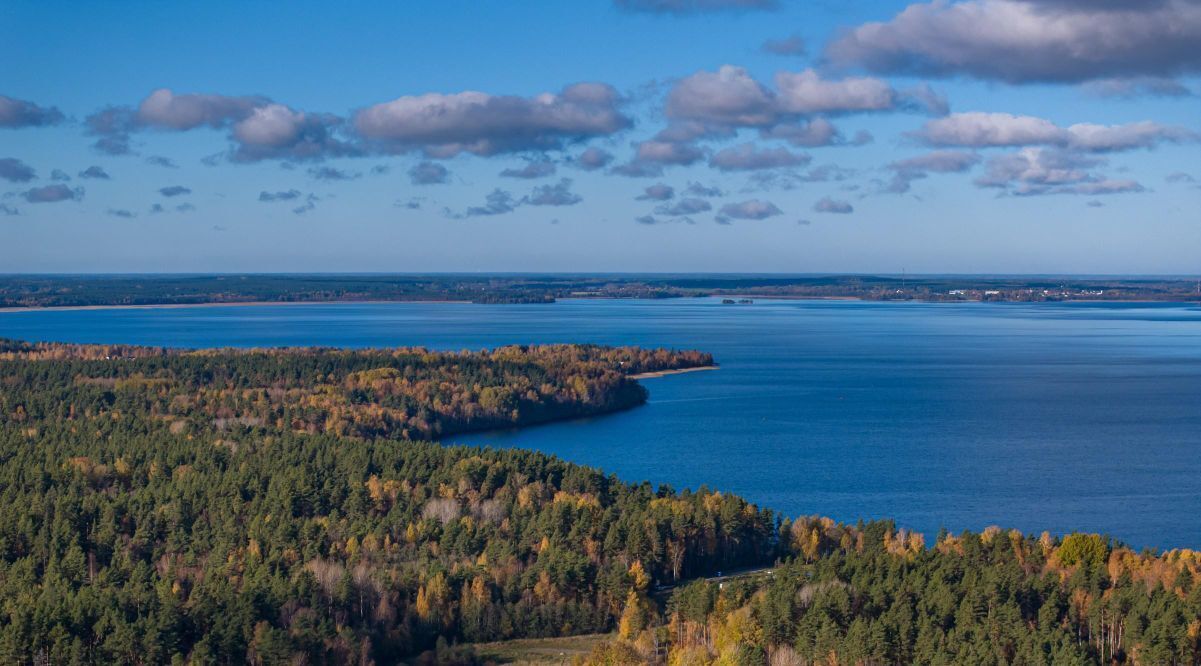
[{"x": 978, "y": 136}]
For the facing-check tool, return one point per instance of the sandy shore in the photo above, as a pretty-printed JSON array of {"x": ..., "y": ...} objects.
[{"x": 664, "y": 373}]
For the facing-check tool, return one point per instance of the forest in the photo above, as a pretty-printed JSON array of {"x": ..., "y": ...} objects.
[
  {"x": 404, "y": 392},
  {"x": 285, "y": 506}
]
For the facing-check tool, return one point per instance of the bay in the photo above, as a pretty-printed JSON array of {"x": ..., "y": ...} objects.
[{"x": 1059, "y": 417}]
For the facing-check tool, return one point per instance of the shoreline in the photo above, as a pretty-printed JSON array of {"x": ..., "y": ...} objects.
[
  {"x": 209, "y": 304},
  {"x": 664, "y": 373},
  {"x": 785, "y": 297},
  {"x": 774, "y": 297}
]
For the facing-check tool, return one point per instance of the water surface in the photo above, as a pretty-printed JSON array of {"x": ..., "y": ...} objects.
[{"x": 1042, "y": 417}]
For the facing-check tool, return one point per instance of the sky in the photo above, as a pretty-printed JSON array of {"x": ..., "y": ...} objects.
[{"x": 953, "y": 136}]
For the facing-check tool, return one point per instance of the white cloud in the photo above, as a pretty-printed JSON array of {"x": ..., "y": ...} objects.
[
  {"x": 980, "y": 129},
  {"x": 483, "y": 124},
  {"x": 1023, "y": 41}
]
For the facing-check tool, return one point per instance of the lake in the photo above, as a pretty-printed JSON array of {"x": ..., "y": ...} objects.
[{"x": 1052, "y": 417}]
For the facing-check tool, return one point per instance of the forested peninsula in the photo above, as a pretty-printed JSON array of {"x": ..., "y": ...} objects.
[{"x": 285, "y": 506}]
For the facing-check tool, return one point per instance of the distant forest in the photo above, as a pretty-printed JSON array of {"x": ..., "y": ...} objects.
[
  {"x": 273, "y": 507},
  {"x": 99, "y": 290}
]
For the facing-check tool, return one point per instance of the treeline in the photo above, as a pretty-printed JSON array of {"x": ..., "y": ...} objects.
[
  {"x": 870, "y": 594},
  {"x": 404, "y": 393}
]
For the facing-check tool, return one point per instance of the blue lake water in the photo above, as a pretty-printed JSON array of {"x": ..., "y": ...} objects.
[{"x": 1052, "y": 417}]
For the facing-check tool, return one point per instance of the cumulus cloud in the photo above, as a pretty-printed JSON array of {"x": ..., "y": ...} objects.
[
  {"x": 15, "y": 113},
  {"x": 732, "y": 98},
  {"x": 483, "y": 124},
  {"x": 164, "y": 109},
  {"x": 276, "y": 131},
  {"x": 159, "y": 160},
  {"x": 812, "y": 134},
  {"x": 790, "y": 46},
  {"x": 1104, "y": 138},
  {"x": 429, "y": 173},
  {"x": 60, "y": 175},
  {"x": 6, "y": 209},
  {"x": 94, "y": 171},
  {"x": 1034, "y": 171},
  {"x": 593, "y": 158},
  {"x": 557, "y": 194},
  {"x": 828, "y": 205},
  {"x": 112, "y": 125},
  {"x": 751, "y": 209},
  {"x": 745, "y": 157},
  {"x": 286, "y": 195},
  {"x": 667, "y": 152},
  {"x": 52, "y": 194},
  {"x": 174, "y": 191},
  {"x": 727, "y": 97},
  {"x": 498, "y": 202},
  {"x": 532, "y": 169},
  {"x": 651, "y": 156},
  {"x": 699, "y": 190},
  {"x": 716, "y": 104},
  {"x": 121, "y": 212},
  {"x": 686, "y": 7},
  {"x": 15, "y": 171},
  {"x": 657, "y": 192},
  {"x": 1180, "y": 177},
  {"x": 113, "y": 145},
  {"x": 792, "y": 179},
  {"x": 945, "y": 161},
  {"x": 332, "y": 173},
  {"x": 688, "y": 206},
  {"x": 258, "y": 128},
  {"x": 808, "y": 93},
  {"x": 310, "y": 203},
  {"x": 1021, "y": 41},
  {"x": 980, "y": 129}
]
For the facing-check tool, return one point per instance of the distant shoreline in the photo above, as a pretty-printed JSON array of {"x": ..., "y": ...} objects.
[
  {"x": 762, "y": 297},
  {"x": 786, "y": 297},
  {"x": 664, "y": 373},
  {"x": 213, "y": 304}
]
